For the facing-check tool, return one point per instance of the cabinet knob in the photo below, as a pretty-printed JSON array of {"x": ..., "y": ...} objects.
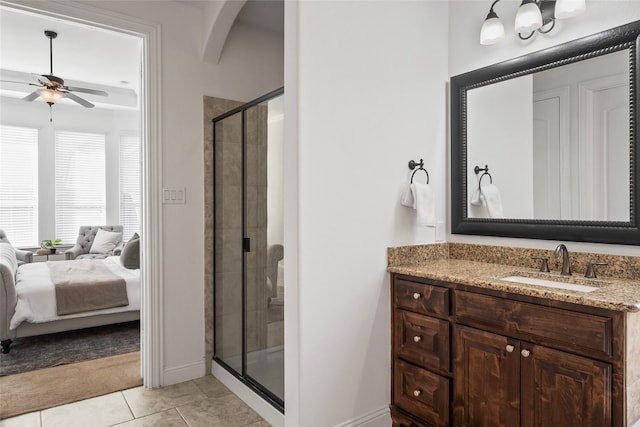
[
  {"x": 417, "y": 338},
  {"x": 525, "y": 353},
  {"x": 510, "y": 348},
  {"x": 416, "y": 295},
  {"x": 417, "y": 393}
]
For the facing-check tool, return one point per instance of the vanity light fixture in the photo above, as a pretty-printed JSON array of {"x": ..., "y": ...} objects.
[{"x": 532, "y": 16}]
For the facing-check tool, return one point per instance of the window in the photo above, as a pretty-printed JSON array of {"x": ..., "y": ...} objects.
[
  {"x": 80, "y": 183},
  {"x": 19, "y": 184},
  {"x": 129, "y": 185}
]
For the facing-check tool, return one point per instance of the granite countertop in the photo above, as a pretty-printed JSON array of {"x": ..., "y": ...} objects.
[{"x": 612, "y": 294}]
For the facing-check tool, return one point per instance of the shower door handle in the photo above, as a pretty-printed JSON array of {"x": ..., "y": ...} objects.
[{"x": 246, "y": 244}]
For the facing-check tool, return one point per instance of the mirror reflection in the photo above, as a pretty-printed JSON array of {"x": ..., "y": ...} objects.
[{"x": 556, "y": 143}]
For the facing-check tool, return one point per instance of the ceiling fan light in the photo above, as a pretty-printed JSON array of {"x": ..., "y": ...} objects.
[
  {"x": 492, "y": 29},
  {"x": 50, "y": 96},
  {"x": 528, "y": 18},
  {"x": 569, "y": 8}
]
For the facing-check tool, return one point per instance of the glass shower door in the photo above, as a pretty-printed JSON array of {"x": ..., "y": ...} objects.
[{"x": 249, "y": 252}]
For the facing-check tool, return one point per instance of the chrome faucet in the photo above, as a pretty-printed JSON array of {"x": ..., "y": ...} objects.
[{"x": 562, "y": 250}]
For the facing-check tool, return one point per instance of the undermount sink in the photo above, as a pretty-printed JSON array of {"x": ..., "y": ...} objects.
[{"x": 549, "y": 283}]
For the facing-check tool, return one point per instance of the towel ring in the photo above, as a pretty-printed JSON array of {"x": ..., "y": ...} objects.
[
  {"x": 420, "y": 169},
  {"x": 413, "y": 165},
  {"x": 485, "y": 171}
]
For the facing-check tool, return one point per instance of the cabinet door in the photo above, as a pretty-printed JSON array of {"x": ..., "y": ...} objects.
[
  {"x": 561, "y": 389},
  {"x": 487, "y": 379}
]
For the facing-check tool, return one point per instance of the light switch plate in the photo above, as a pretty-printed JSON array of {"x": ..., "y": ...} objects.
[{"x": 174, "y": 196}]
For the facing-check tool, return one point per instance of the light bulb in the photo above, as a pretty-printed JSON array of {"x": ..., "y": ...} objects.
[
  {"x": 528, "y": 18},
  {"x": 50, "y": 96},
  {"x": 492, "y": 29}
]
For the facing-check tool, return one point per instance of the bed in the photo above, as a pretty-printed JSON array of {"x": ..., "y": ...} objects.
[{"x": 28, "y": 299}]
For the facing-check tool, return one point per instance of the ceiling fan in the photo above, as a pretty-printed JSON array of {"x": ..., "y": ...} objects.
[{"x": 52, "y": 88}]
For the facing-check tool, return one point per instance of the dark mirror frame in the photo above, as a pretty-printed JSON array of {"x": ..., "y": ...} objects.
[{"x": 623, "y": 37}]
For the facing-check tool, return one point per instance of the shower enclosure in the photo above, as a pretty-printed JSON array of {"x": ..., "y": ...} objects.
[{"x": 248, "y": 245}]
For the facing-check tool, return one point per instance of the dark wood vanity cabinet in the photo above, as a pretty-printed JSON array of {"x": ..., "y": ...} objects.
[
  {"x": 421, "y": 368},
  {"x": 502, "y": 382},
  {"x": 472, "y": 358}
]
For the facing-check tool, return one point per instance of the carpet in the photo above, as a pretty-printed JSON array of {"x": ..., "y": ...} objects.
[
  {"x": 46, "y": 388},
  {"x": 45, "y": 351}
]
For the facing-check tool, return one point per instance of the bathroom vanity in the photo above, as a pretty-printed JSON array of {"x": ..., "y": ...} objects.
[{"x": 470, "y": 348}]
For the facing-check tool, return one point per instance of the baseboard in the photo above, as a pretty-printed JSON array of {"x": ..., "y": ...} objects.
[
  {"x": 183, "y": 373},
  {"x": 377, "y": 418},
  {"x": 257, "y": 403}
]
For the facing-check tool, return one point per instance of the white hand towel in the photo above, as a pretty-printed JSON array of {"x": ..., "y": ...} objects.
[
  {"x": 425, "y": 204},
  {"x": 493, "y": 201},
  {"x": 407, "y": 198},
  {"x": 477, "y": 198}
]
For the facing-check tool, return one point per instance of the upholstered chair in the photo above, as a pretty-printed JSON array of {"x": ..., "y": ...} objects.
[
  {"x": 86, "y": 236},
  {"x": 275, "y": 253},
  {"x": 21, "y": 255}
]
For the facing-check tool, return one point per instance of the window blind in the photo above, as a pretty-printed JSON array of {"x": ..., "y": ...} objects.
[
  {"x": 19, "y": 184},
  {"x": 80, "y": 183},
  {"x": 129, "y": 185}
]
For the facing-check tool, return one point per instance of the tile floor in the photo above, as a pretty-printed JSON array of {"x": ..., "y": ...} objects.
[{"x": 201, "y": 402}]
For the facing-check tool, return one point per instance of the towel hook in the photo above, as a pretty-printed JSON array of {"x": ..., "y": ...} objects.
[
  {"x": 485, "y": 171},
  {"x": 420, "y": 166}
]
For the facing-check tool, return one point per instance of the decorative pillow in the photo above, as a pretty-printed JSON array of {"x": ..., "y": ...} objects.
[
  {"x": 130, "y": 256},
  {"x": 104, "y": 242}
]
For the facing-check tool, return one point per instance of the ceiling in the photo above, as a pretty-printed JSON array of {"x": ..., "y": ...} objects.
[
  {"x": 80, "y": 52},
  {"x": 91, "y": 57},
  {"x": 265, "y": 15}
]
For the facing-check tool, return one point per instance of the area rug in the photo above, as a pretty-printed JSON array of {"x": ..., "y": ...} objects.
[
  {"x": 45, "y": 351},
  {"x": 46, "y": 388}
]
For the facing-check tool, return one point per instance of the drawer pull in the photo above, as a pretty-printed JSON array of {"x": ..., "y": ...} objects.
[
  {"x": 416, "y": 295},
  {"x": 417, "y": 392},
  {"x": 510, "y": 348},
  {"x": 417, "y": 338},
  {"x": 525, "y": 353}
]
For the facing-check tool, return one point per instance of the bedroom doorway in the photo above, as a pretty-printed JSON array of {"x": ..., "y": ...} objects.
[
  {"x": 146, "y": 128},
  {"x": 248, "y": 256}
]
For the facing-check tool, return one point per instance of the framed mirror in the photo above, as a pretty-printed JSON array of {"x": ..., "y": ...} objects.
[{"x": 544, "y": 145}]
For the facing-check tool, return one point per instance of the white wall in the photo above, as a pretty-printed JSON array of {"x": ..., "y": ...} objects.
[
  {"x": 251, "y": 65},
  {"x": 466, "y": 54},
  {"x": 501, "y": 138},
  {"x": 371, "y": 95}
]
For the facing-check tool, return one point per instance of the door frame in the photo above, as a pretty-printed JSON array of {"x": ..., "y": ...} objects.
[{"x": 151, "y": 310}]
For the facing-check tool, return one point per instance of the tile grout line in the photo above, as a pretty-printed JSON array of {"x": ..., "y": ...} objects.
[
  {"x": 127, "y": 403},
  {"x": 182, "y": 416}
]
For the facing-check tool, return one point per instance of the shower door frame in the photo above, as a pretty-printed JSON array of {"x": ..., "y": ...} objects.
[{"x": 243, "y": 376}]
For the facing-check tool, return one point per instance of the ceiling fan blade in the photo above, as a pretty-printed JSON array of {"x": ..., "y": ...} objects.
[
  {"x": 31, "y": 96},
  {"x": 85, "y": 90},
  {"x": 79, "y": 100},
  {"x": 22, "y": 83}
]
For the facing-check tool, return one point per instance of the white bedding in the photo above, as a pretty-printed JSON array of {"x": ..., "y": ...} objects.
[{"x": 37, "y": 295}]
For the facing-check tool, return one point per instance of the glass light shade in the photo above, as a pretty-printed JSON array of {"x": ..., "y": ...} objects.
[
  {"x": 528, "y": 18},
  {"x": 50, "y": 96},
  {"x": 492, "y": 31},
  {"x": 569, "y": 8}
]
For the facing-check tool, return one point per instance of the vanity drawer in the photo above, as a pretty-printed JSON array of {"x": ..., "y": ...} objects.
[
  {"x": 421, "y": 393},
  {"x": 574, "y": 331},
  {"x": 421, "y": 298},
  {"x": 422, "y": 340}
]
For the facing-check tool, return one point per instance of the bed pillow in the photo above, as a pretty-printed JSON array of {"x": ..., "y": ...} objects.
[
  {"x": 105, "y": 242},
  {"x": 130, "y": 256}
]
